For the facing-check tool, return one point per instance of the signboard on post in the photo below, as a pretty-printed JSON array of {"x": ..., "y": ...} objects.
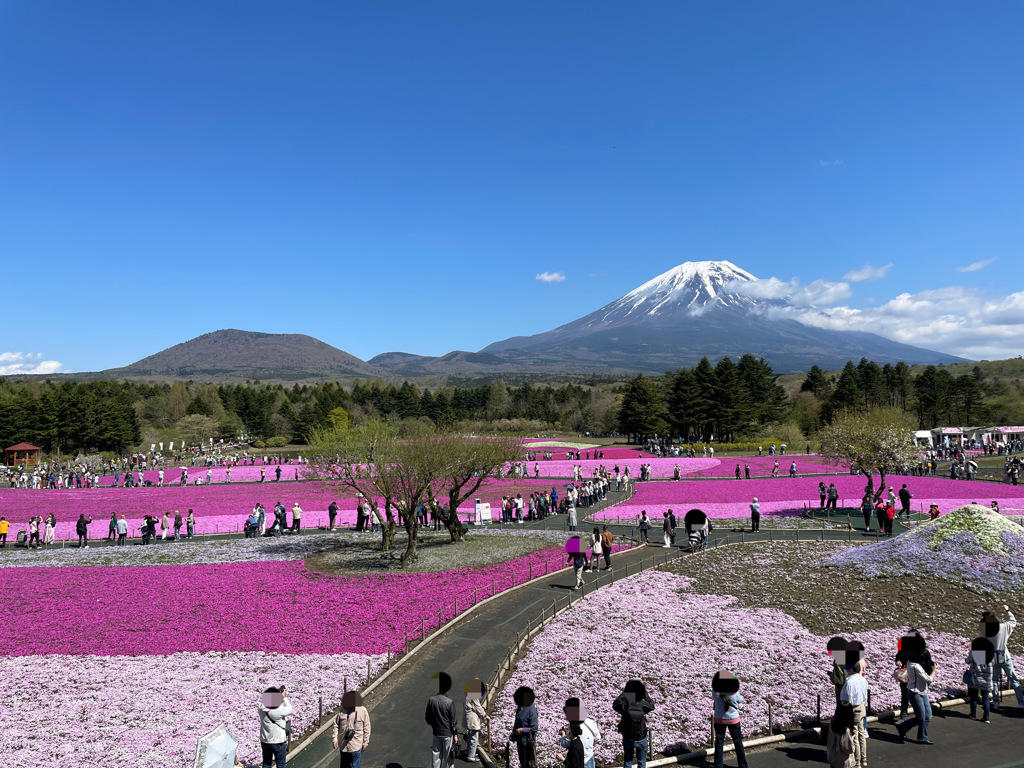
[{"x": 482, "y": 512}]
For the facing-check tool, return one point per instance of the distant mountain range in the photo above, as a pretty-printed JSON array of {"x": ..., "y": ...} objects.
[{"x": 694, "y": 310}]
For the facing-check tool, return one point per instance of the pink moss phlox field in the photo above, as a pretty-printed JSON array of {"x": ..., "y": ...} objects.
[
  {"x": 149, "y": 711},
  {"x": 217, "y": 508},
  {"x": 787, "y": 496},
  {"x": 591, "y": 650},
  {"x": 274, "y": 607},
  {"x": 696, "y": 467}
]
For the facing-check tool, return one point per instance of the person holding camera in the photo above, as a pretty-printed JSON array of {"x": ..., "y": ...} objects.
[
  {"x": 275, "y": 727},
  {"x": 351, "y": 732}
]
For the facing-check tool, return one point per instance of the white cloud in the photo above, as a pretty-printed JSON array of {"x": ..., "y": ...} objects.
[
  {"x": 867, "y": 273},
  {"x": 13, "y": 363},
  {"x": 551, "y": 277},
  {"x": 956, "y": 319},
  {"x": 819, "y": 292},
  {"x": 975, "y": 266},
  {"x": 835, "y": 162}
]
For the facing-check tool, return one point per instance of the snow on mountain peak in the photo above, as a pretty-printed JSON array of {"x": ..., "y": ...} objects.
[{"x": 694, "y": 286}]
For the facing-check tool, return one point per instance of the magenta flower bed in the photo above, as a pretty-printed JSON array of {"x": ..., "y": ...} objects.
[
  {"x": 218, "y": 508},
  {"x": 787, "y": 496},
  {"x": 278, "y": 607}
]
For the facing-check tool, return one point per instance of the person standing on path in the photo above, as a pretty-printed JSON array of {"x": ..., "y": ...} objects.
[
  {"x": 571, "y": 514},
  {"x": 351, "y": 732},
  {"x": 274, "y": 710},
  {"x": 854, "y": 694},
  {"x": 633, "y": 705},
  {"x": 980, "y": 676},
  {"x": 296, "y": 518},
  {"x": 443, "y": 722},
  {"x": 5, "y": 527},
  {"x": 755, "y": 516},
  {"x": 833, "y": 496},
  {"x": 666, "y": 531},
  {"x": 82, "y": 529},
  {"x": 792, "y": 469},
  {"x": 190, "y": 524},
  {"x": 595, "y": 549},
  {"x": 122, "y": 531},
  {"x": 865, "y": 509},
  {"x": 725, "y": 687},
  {"x": 524, "y": 727},
  {"x": 998, "y": 633},
  {"x": 905, "y": 497},
  {"x": 578, "y": 558},
  {"x": 590, "y": 732},
  {"x": 49, "y": 530},
  {"x": 332, "y": 512},
  {"x": 920, "y": 675},
  {"x": 572, "y": 743},
  {"x": 645, "y": 526},
  {"x": 112, "y": 527},
  {"x": 842, "y": 743},
  {"x": 474, "y": 716},
  {"x": 178, "y": 522},
  {"x": 607, "y": 539}
]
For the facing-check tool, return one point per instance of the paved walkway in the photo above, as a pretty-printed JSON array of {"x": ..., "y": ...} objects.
[{"x": 960, "y": 742}]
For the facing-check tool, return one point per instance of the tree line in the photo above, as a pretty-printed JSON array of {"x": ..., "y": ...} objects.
[{"x": 71, "y": 417}]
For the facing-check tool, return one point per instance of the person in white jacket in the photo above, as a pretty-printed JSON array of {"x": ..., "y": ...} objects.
[{"x": 274, "y": 710}]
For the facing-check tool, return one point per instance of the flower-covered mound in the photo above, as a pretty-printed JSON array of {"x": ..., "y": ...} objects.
[
  {"x": 971, "y": 546},
  {"x": 654, "y": 627}
]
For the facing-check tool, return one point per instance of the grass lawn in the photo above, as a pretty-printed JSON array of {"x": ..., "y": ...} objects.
[{"x": 436, "y": 552}]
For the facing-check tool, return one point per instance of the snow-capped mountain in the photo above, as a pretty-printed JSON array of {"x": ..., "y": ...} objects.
[
  {"x": 690, "y": 287},
  {"x": 695, "y": 309}
]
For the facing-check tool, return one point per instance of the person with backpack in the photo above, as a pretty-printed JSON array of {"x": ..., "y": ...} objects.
[
  {"x": 725, "y": 687},
  {"x": 577, "y": 552},
  {"x": 633, "y": 706}
]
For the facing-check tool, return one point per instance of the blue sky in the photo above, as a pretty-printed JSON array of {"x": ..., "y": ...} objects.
[{"x": 395, "y": 176}]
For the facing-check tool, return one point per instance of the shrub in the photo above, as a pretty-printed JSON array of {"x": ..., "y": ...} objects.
[
  {"x": 259, "y": 444},
  {"x": 277, "y": 442}
]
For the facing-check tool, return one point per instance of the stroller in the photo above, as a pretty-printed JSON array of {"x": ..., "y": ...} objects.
[{"x": 697, "y": 528}]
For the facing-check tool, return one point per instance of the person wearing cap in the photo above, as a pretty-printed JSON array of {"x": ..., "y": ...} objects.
[
  {"x": 296, "y": 518},
  {"x": 755, "y": 516},
  {"x": 351, "y": 732}
]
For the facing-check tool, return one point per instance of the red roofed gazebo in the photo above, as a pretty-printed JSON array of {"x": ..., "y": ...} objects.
[{"x": 22, "y": 453}]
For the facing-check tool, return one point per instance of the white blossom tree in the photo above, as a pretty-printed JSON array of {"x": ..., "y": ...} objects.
[{"x": 880, "y": 441}]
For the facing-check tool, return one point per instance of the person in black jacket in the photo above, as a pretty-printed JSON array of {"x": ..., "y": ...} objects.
[
  {"x": 573, "y": 758},
  {"x": 633, "y": 705},
  {"x": 524, "y": 728},
  {"x": 443, "y": 721}
]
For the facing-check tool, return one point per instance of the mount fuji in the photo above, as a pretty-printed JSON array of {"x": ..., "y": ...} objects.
[{"x": 697, "y": 309}]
